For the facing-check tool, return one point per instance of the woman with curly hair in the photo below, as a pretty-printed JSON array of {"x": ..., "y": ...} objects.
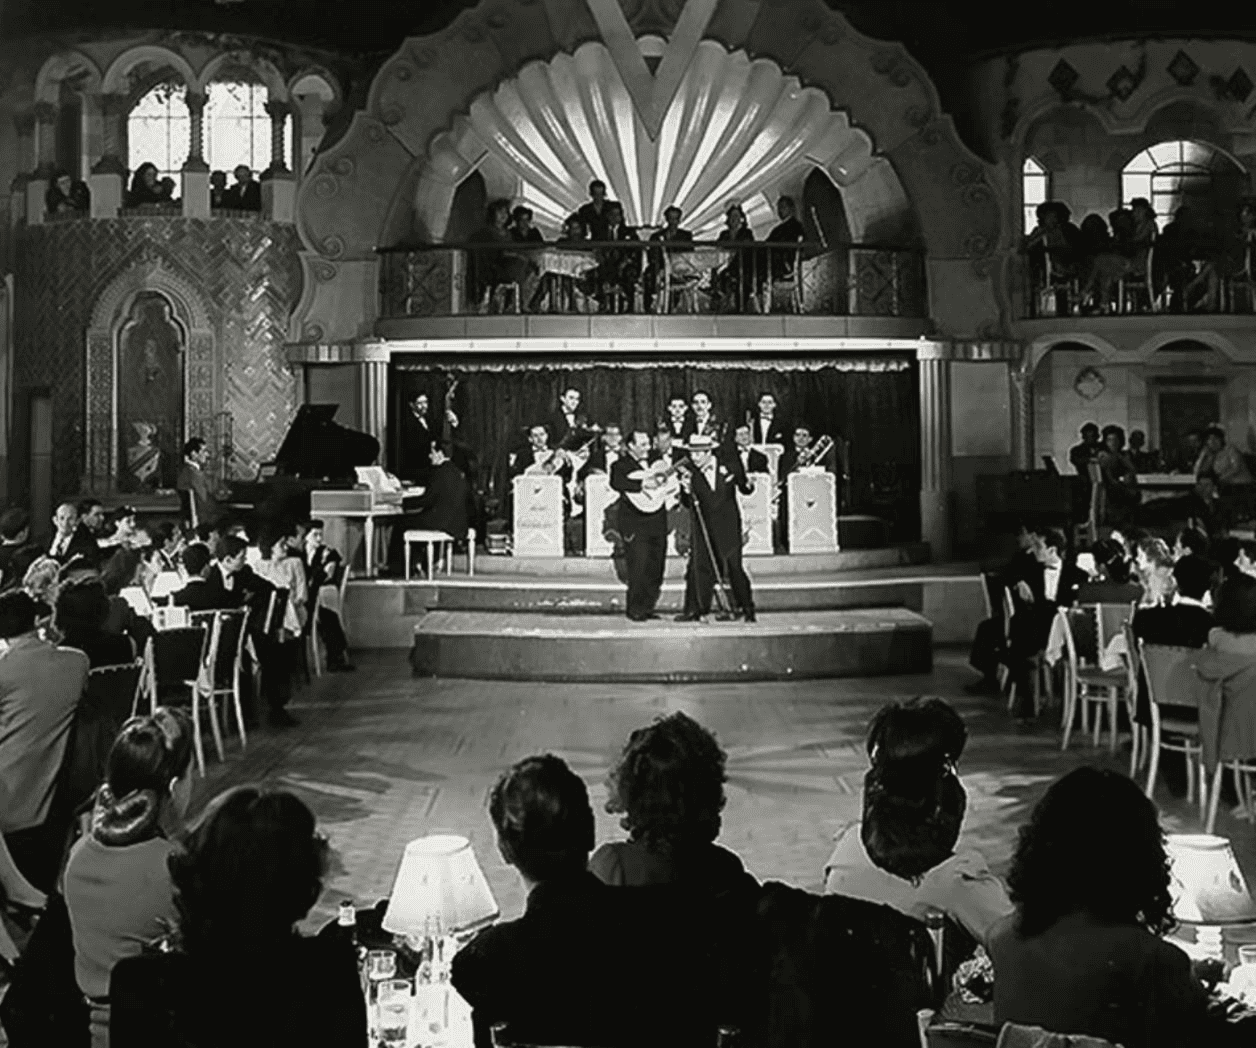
[
  {"x": 1083, "y": 954},
  {"x": 249, "y": 869},
  {"x": 669, "y": 786},
  {"x": 903, "y": 851}
]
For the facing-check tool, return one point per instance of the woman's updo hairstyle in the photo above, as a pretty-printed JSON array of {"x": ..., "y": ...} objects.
[{"x": 913, "y": 800}]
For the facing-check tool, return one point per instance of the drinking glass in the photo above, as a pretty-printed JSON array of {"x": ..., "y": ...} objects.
[
  {"x": 394, "y": 1012},
  {"x": 1243, "y": 978},
  {"x": 381, "y": 965}
]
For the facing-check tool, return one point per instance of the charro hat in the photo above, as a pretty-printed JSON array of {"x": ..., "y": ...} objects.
[{"x": 701, "y": 442}]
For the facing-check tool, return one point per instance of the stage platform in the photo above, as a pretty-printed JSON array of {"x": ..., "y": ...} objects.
[
  {"x": 382, "y": 613},
  {"x": 780, "y": 646}
]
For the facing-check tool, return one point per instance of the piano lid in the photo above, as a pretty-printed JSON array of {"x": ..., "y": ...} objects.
[{"x": 318, "y": 448}]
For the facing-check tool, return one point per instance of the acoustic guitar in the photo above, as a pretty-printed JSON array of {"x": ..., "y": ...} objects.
[{"x": 654, "y": 499}]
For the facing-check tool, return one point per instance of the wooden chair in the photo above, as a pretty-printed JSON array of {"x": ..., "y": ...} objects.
[
  {"x": 224, "y": 668},
  {"x": 1169, "y": 732},
  {"x": 315, "y": 654},
  {"x": 177, "y": 657},
  {"x": 1140, "y": 740},
  {"x": 108, "y": 698},
  {"x": 495, "y": 297},
  {"x": 790, "y": 283},
  {"x": 1055, "y": 285},
  {"x": 1130, "y": 286},
  {"x": 1084, "y": 680}
]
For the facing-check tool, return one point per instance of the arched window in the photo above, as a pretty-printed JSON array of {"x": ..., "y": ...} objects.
[
  {"x": 1171, "y": 173},
  {"x": 1036, "y": 189},
  {"x": 236, "y": 128}
]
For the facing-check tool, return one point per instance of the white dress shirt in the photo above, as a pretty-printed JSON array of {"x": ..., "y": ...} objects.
[
  {"x": 1051, "y": 581},
  {"x": 763, "y": 425}
]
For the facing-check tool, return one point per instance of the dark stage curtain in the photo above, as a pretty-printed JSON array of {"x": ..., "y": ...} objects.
[{"x": 872, "y": 401}]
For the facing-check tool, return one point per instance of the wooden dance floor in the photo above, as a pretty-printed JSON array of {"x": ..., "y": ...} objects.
[{"x": 383, "y": 757}]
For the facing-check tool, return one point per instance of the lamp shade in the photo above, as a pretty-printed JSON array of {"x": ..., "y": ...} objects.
[
  {"x": 1207, "y": 885},
  {"x": 439, "y": 880}
]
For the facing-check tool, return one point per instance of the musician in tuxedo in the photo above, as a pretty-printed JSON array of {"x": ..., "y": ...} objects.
[
  {"x": 644, "y": 532},
  {"x": 324, "y": 567},
  {"x": 804, "y": 439},
  {"x": 667, "y": 452},
  {"x": 710, "y": 488},
  {"x": 536, "y": 456},
  {"x": 705, "y": 423},
  {"x": 769, "y": 427},
  {"x": 1052, "y": 583},
  {"x": 608, "y": 450},
  {"x": 750, "y": 459},
  {"x": 680, "y": 421},
  {"x": 441, "y": 507},
  {"x": 569, "y": 426}
]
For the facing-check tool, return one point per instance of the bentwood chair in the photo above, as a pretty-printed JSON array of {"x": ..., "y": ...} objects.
[
  {"x": 223, "y": 674},
  {"x": 1084, "y": 681},
  {"x": 177, "y": 656},
  {"x": 1173, "y": 728}
]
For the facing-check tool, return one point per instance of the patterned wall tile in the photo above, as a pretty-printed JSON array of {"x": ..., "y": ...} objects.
[{"x": 249, "y": 277}]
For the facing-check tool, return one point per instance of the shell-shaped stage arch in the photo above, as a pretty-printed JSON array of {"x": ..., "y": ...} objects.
[{"x": 735, "y": 129}]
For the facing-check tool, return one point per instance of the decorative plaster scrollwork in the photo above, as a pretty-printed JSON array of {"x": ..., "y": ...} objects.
[
  {"x": 917, "y": 116},
  {"x": 833, "y": 32},
  {"x": 977, "y": 194},
  {"x": 333, "y": 246},
  {"x": 324, "y": 271},
  {"x": 343, "y": 166},
  {"x": 425, "y": 58},
  {"x": 391, "y": 113},
  {"x": 375, "y": 135},
  {"x": 931, "y": 136},
  {"x": 964, "y": 173},
  {"x": 498, "y": 21},
  {"x": 473, "y": 32},
  {"x": 403, "y": 72},
  {"x": 312, "y": 332},
  {"x": 811, "y": 22},
  {"x": 326, "y": 186},
  {"x": 978, "y": 245}
]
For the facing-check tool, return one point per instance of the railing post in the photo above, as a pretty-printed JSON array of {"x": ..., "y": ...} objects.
[{"x": 195, "y": 172}]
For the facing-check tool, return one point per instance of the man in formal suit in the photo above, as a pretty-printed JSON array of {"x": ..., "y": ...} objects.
[
  {"x": 441, "y": 507},
  {"x": 595, "y": 213},
  {"x": 644, "y": 532},
  {"x": 788, "y": 231},
  {"x": 680, "y": 422},
  {"x": 667, "y": 452},
  {"x": 608, "y": 450},
  {"x": 196, "y": 482},
  {"x": 17, "y": 552},
  {"x": 705, "y": 424},
  {"x": 1187, "y": 621},
  {"x": 67, "y": 542},
  {"x": 751, "y": 460},
  {"x": 40, "y": 687},
  {"x": 769, "y": 427},
  {"x": 569, "y": 426},
  {"x": 246, "y": 194},
  {"x": 986, "y": 653},
  {"x": 710, "y": 488},
  {"x": 417, "y": 436},
  {"x": 324, "y": 567},
  {"x": 197, "y": 593},
  {"x": 619, "y": 268},
  {"x": 536, "y": 973},
  {"x": 671, "y": 233},
  {"x": 1049, "y": 585}
]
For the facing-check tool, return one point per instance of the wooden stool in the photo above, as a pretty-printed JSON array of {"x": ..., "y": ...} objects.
[{"x": 433, "y": 540}]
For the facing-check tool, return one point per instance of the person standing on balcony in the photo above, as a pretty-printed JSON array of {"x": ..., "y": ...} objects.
[
  {"x": 595, "y": 212},
  {"x": 245, "y": 195}
]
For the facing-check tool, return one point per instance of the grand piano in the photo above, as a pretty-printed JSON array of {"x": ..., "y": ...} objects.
[{"x": 316, "y": 454}]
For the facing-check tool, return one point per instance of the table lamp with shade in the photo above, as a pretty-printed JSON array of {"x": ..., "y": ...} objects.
[
  {"x": 439, "y": 891},
  {"x": 1208, "y": 888}
]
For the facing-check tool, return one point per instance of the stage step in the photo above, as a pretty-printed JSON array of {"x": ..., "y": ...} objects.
[{"x": 783, "y": 646}]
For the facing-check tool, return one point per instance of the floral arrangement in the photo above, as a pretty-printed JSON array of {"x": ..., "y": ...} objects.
[{"x": 974, "y": 979}]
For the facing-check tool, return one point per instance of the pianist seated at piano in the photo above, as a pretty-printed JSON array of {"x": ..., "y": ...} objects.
[{"x": 443, "y": 506}]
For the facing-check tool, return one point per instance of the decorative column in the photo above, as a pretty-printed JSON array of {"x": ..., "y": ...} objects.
[
  {"x": 45, "y": 114},
  {"x": 278, "y": 185},
  {"x": 372, "y": 360},
  {"x": 108, "y": 178},
  {"x": 24, "y": 123},
  {"x": 935, "y": 449},
  {"x": 195, "y": 172}
]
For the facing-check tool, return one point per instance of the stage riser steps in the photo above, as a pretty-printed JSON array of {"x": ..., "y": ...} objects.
[
  {"x": 383, "y": 614},
  {"x": 793, "y": 646}
]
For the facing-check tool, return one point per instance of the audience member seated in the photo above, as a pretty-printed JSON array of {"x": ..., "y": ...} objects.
[
  {"x": 246, "y": 194},
  {"x": 1120, "y": 478},
  {"x": 1235, "y": 616},
  {"x": 618, "y": 269},
  {"x": 81, "y": 612},
  {"x": 241, "y": 976},
  {"x": 1144, "y": 461},
  {"x": 987, "y": 652},
  {"x": 561, "y": 972},
  {"x": 69, "y": 541},
  {"x": 522, "y": 231},
  {"x": 493, "y": 266},
  {"x": 1186, "y": 621},
  {"x": 1219, "y": 470},
  {"x": 669, "y": 786},
  {"x": 324, "y": 567},
  {"x": 734, "y": 282},
  {"x": 1093, "y": 240},
  {"x": 1226, "y": 257},
  {"x": 1191, "y": 540},
  {"x": 166, "y": 188},
  {"x": 40, "y": 584},
  {"x": 40, "y": 686},
  {"x": 903, "y": 851},
  {"x": 1056, "y": 238},
  {"x": 117, "y": 882},
  {"x": 66, "y": 196},
  {"x": 17, "y": 552},
  {"x": 1182, "y": 241},
  {"x": 670, "y": 233},
  {"x": 1083, "y": 954},
  {"x": 144, "y": 186},
  {"x": 1153, "y": 564},
  {"x": 1050, "y": 584},
  {"x": 594, "y": 214},
  {"x": 1112, "y": 582},
  {"x": 217, "y": 190},
  {"x": 198, "y": 594},
  {"x": 1133, "y": 233}
]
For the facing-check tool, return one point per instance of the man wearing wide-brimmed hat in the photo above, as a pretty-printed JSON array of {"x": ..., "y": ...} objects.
[{"x": 710, "y": 488}]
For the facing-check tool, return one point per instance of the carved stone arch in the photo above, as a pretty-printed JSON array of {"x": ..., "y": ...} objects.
[
  {"x": 1211, "y": 338},
  {"x": 63, "y": 66},
  {"x": 322, "y": 74},
  {"x": 261, "y": 68},
  {"x": 109, "y": 315},
  {"x": 1040, "y": 347},
  {"x": 116, "y": 76}
]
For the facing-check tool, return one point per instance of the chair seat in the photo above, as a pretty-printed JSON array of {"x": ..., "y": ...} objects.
[
  {"x": 1101, "y": 678},
  {"x": 1177, "y": 727},
  {"x": 419, "y": 535}
]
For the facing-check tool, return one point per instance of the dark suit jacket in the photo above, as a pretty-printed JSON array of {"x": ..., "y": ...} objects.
[
  {"x": 246, "y": 197},
  {"x": 200, "y": 487},
  {"x": 82, "y": 544},
  {"x": 322, "y": 567},
  {"x": 597, "y": 460},
  {"x": 776, "y": 431},
  {"x": 756, "y": 461},
  {"x": 200, "y": 595},
  {"x": 443, "y": 506},
  {"x": 719, "y": 505},
  {"x": 416, "y": 445},
  {"x": 684, "y": 430},
  {"x": 1072, "y": 578},
  {"x": 564, "y": 435},
  {"x": 631, "y": 520},
  {"x": 14, "y": 560},
  {"x": 526, "y": 457},
  {"x": 590, "y": 964},
  {"x": 594, "y": 220},
  {"x": 1178, "y": 625}
]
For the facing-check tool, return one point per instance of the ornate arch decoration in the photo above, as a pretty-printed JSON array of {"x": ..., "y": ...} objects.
[
  {"x": 334, "y": 95},
  {"x": 1043, "y": 345},
  {"x": 344, "y": 206},
  {"x": 113, "y": 306},
  {"x": 228, "y": 62},
  {"x": 1213, "y": 339},
  {"x": 65, "y": 66},
  {"x": 116, "y": 78}
]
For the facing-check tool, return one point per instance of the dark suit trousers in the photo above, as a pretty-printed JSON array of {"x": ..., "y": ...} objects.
[
  {"x": 700, "y": 577},
  {"x": 646, "y": 555},
  {"x": 333, "y": 635},
  {"x": 37, "y": 852},
  {"x": 1027, "y": 637}
]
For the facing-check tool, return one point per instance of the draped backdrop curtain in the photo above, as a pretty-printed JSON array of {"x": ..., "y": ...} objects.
[{"x": 871, "y": 400}]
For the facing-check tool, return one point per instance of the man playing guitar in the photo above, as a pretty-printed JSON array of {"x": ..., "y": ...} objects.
[{"x": 643, "y": 522}]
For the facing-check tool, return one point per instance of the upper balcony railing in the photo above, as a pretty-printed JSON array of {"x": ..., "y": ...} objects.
[{"x": 633, "y": 277}]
